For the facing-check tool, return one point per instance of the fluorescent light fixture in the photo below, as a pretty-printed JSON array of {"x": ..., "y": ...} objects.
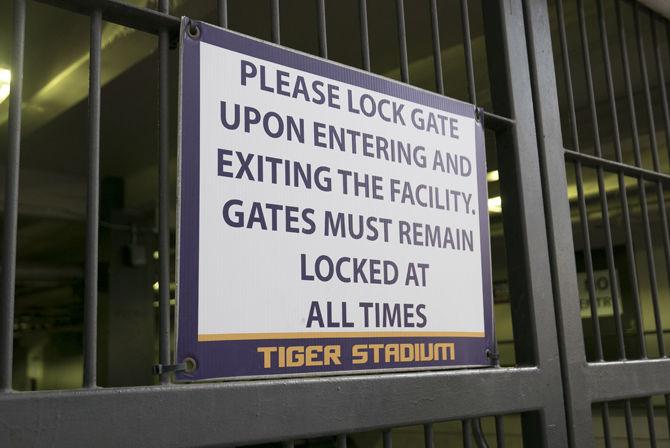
[
  {"x": 5, "y": 79},
  {"x": 495, "y": 204},
  {"x": 492, "y": 176}
]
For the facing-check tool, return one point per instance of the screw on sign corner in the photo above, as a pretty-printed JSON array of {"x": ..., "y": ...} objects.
[
  {"x": 193, "y": 30},
  {"x": 191, "y": 365},
  {"x": 479, "y": 114}
]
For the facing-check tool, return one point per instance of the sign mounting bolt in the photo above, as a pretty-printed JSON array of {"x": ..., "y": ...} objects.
[
  {"x": 479, "y": 114},
  {"x": 193, "y": 30}
]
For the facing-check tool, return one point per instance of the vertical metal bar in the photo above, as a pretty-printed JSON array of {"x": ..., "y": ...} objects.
[
  {"x": 500, "y": 432},
  {"x": 222, "y": 9},
  {"x": 666, "y": 116},
  {"x": 632, "y": 269},
  {"x": 565, "y": 55},
  {"x": 583, "y": 214},
  {"x": 628, "y": 414},
  {"x": 428, "y": 441},
  {"x": 586, "y": 61},
  {"x": 321, "y": 19},
  {"x": 92, "y": 206},
  {"x": 402, "y": 40},
  {"x": 561, "y": 253},
  {"x": 628, "y": 82},
  {"x": 642, "y": 60},
  {"x": 467, "y": 47},
  {"x": 601, "y": 183},
  {"x": 466, "y": 429},
  {"x": 661, "y": 199},
  {"x": 661, "y": 79},
  {"x": 636, "y": 147},
  {"x": 11, "y": 210},
  {"x": 365, "y": 39},
  {"x": 650, "y": 422},
  {"x": 387, "y": 438},
  {"x": 588, "y": 261},
  {"x": 163, "y": 196},
  {"x": 478, "y": 433},
  {"x": 607, "y": 433},
  {"x": 508, "y": 51},
  {"x": 276, "y": 35},
  {"x": 437, "y": 50},
  {"x": 618, "y": 152},
  {"x": 602, "y": 25},
  {"x": 342, "y": 441}
]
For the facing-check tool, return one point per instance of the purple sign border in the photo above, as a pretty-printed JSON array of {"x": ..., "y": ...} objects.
[{"x": 239, "y": 359}]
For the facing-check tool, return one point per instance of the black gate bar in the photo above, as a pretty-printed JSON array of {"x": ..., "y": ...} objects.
[{"x": 11, "y": 204}]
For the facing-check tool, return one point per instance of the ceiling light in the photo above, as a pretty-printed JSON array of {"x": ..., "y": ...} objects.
[
  {"x": 5, "y": 79},
  {"x": 492, "y": 176},
  {"x": 495, "y": 204}
]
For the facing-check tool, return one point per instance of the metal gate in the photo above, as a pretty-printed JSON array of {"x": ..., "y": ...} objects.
[
  {"x": 551, "y": 384},
  {"x": 629, "y": 369}
]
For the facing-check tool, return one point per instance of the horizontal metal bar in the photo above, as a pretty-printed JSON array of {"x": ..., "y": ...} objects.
[
  {"x": 497, "y": 122},
  {"x": 44, "y": 273},
  {"x": 121, "y": 13},
  {"x": 612, "y": 166},
  {"x": 254, "y": 412},
  {"x": 607, "y": 381}
]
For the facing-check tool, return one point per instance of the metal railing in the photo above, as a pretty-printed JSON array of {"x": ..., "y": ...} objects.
[
  {"x": 602, "y": 380},
  {"x": 553, "y": 387}
]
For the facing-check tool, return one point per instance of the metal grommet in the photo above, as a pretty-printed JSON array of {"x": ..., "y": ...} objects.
[
  {"x": 191, "y": 365},
  {"x": 193, "y": 30},
  {"x": 478, "y": 114}
]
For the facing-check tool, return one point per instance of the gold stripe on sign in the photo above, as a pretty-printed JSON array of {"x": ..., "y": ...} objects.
[{"x": 338, "y": 334}]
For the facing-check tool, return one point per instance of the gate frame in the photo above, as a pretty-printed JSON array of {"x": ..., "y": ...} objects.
[
  {"x": 258, "y": 411},
  {"x": 584, "y": 383}
]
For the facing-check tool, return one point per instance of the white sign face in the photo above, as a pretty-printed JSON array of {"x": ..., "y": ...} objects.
[{"x": 333, "y": 221}]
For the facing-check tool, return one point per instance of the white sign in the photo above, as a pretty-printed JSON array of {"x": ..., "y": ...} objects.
[{"x": 329, "y": 210}]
